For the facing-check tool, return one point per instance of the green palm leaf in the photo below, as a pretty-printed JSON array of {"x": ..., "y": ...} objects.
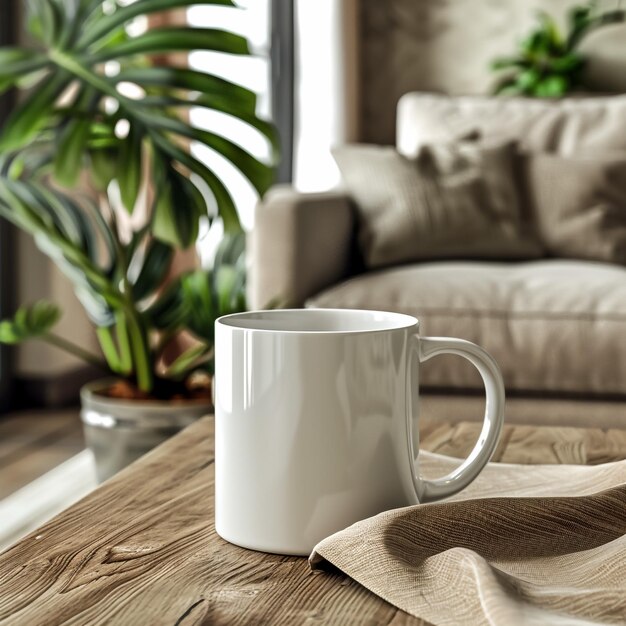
[
  {"x": 45, "y": 20},
  {"x": 155, "y": 264},
  {"x": 168, "y": 312},
  {"x": 16, "y": 64},
  {"x": 129, "y": 168},
  {"x": 104, "y": 26},
  {"x": 205, "y": 101},
  {"x": 260, "y": 175},
  {"x": 194, "y": 81},
  {"x": 223, "y": 199},
  {"x": 162, "y": 40},
  {"x": 30, "y": 117},
  {"x": 29, "y": 322},
  {"x": 99, "y": 303},
  {"x": 176, "y": 211},
  {"x": 68, "y": 160},
  {"x": 190, "y": 359},
  {"x": 201, "y": 304}
]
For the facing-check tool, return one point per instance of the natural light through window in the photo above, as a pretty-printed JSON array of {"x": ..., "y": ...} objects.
[{"x": 252, "y": 20}]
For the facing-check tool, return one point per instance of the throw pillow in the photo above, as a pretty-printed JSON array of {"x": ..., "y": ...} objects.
[
  {"x": 452, "y": 201},
  {"x": 579, "y": 205}
]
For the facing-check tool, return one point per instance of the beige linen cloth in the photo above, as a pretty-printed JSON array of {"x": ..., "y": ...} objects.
[{"x": 523, "y": 545}]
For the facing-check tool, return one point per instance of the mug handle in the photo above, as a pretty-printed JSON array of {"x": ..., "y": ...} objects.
[{"x": 455, "y": 481}]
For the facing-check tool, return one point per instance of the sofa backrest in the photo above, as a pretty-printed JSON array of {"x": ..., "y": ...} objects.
[{"x": 566, "y": 126}]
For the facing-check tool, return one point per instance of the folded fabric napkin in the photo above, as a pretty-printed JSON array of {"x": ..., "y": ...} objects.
[{"x": 523, "y": 545}]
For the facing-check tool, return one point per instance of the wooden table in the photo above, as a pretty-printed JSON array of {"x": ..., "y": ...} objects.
[{"x": 142, "y": 548}]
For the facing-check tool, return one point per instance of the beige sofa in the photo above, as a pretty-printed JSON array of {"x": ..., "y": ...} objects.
[{"x": 557, "y": 327}]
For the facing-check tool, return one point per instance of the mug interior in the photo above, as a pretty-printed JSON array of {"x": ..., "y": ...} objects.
[{"x": 319, "y": 320}]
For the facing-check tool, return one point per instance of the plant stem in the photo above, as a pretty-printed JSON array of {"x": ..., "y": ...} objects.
[
  {"x": 109, "y": 349},
  {"x": 139, "y": 344},
  {"x": 72, "y": 348},
  {"x": 133, "y": 332},
  {"x": 126, "y": 359}
]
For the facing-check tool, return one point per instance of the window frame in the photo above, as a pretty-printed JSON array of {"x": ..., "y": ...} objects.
[{"x": 282, "y": 81}]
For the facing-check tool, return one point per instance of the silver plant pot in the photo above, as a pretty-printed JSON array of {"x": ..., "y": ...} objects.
[{"x": 119, "y": 431}]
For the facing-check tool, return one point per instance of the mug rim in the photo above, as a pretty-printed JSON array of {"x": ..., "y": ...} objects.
[{"x": 403, "y": 321}]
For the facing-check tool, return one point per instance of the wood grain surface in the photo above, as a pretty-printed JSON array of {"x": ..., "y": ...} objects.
[
  {"x": 142, "y": 549},
  {"x": 529, "y": 444}
]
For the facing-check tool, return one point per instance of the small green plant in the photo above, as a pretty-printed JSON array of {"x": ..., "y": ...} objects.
[
  {"x": 549, "y": 63},
  {"x": 100, "y": 116}
]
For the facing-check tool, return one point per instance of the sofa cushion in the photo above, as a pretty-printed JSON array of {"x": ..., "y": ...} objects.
[
  {"x": 579, "y": 205},
  {"x": 552, "y": 325},
  {"x": 452, "y": 201},
  {"x": 564, "y": 126}
]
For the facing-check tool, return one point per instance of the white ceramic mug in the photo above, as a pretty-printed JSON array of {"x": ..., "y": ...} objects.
[{"x": 316, "y": 428}]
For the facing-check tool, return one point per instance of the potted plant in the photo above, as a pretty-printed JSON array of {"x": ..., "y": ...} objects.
[
  {"x": 94, "y": 164},
  {"x": 549, "y": 63}
]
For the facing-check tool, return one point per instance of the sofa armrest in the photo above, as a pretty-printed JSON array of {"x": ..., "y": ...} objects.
[{"x": 300, "y": 244}]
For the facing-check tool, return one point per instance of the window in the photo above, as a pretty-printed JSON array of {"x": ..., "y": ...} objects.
[{"x": 252, "y": 20}]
